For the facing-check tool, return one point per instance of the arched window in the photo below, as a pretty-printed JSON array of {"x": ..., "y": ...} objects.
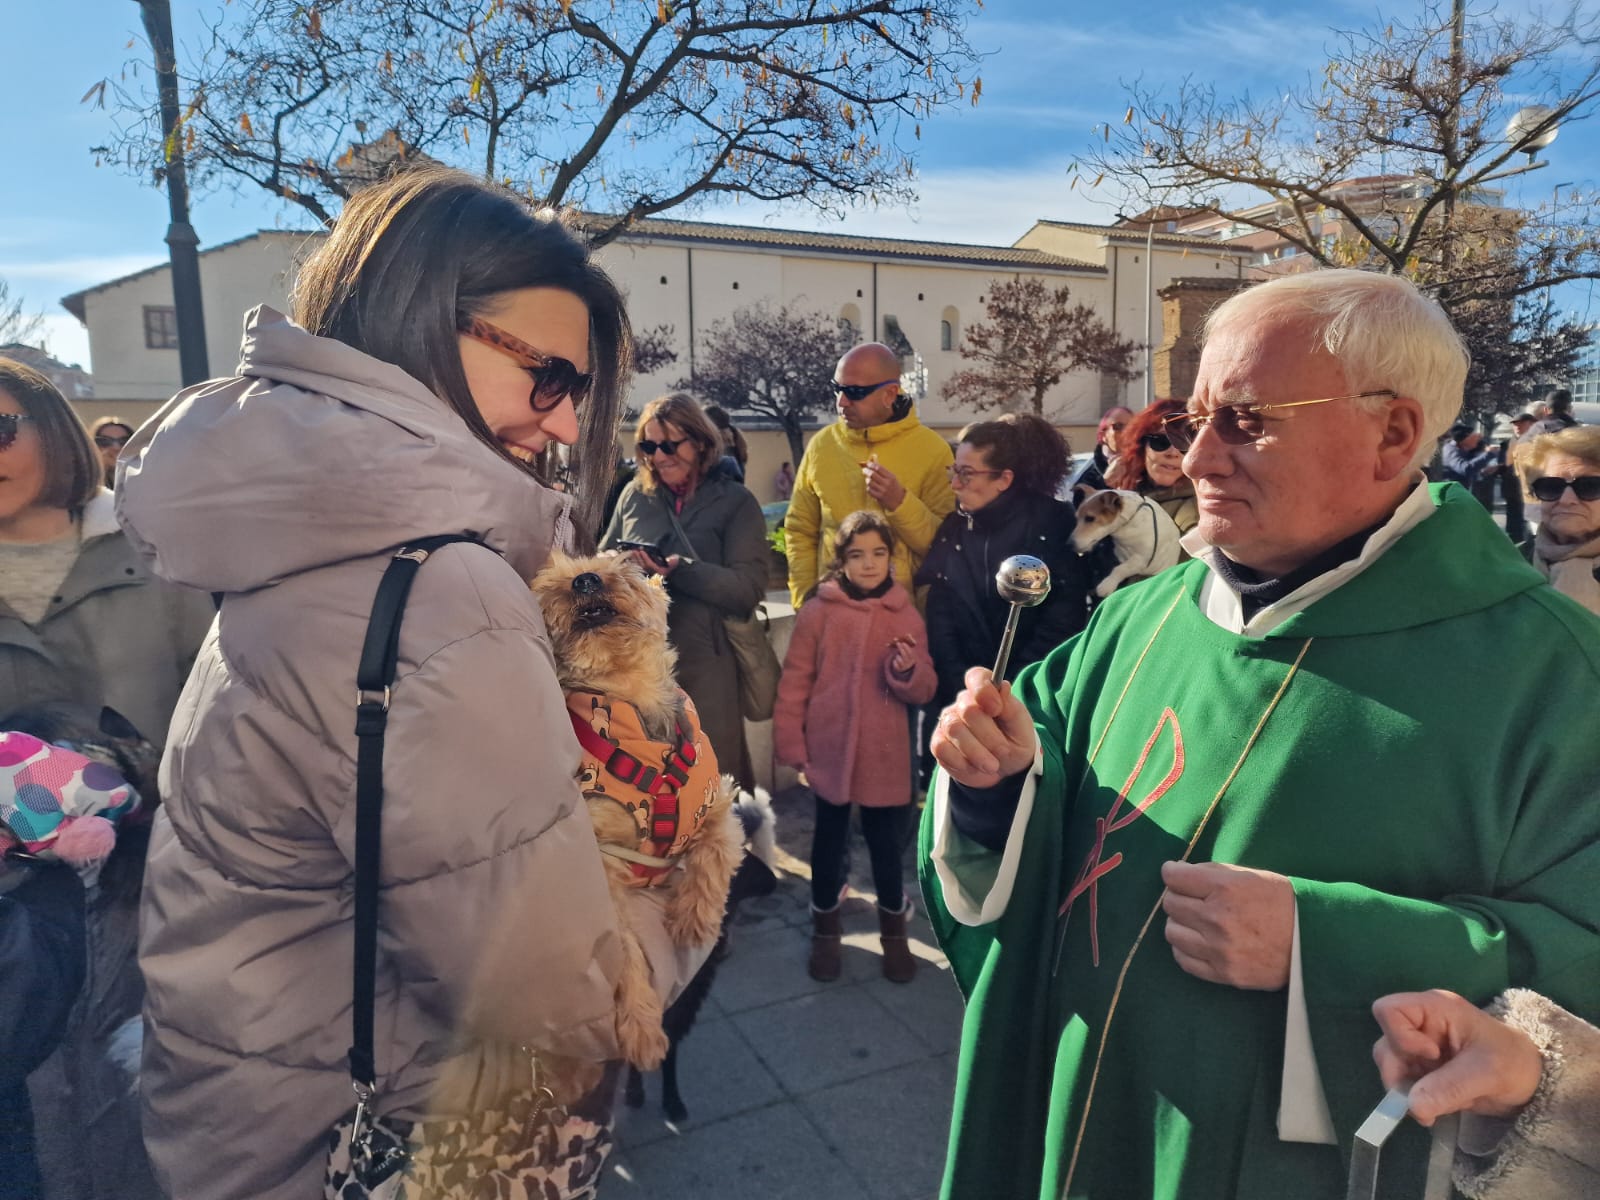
[{"x": 949, "y": 329}]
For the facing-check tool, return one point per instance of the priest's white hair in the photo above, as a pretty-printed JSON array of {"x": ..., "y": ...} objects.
[{"x": 1382, "y": 330}]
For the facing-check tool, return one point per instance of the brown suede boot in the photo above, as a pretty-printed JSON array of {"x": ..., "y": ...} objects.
[
  {"x": 899, "y": 965},
  {"x": 826, "y": 931}
]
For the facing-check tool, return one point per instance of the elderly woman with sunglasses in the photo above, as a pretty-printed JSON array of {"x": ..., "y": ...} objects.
[
  {"x": 1148, "y": 463},
  {"x": 81, "y": 617},
  {"x": 444, "y": 338},
  {"x": 1563, "y": 472},
  {"x": 688, "y": 519}
]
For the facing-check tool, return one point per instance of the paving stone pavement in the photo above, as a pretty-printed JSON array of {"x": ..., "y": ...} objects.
[{"x": 797, "y": 1088}]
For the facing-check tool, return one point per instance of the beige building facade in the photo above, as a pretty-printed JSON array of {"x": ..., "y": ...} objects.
[{"x": 918, "y": 295}]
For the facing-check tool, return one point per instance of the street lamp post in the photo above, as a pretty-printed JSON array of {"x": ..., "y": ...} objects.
[{"x": 183, "y": 245}]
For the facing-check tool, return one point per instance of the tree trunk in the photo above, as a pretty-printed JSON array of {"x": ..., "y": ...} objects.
[{"x": 797, "y": 439}]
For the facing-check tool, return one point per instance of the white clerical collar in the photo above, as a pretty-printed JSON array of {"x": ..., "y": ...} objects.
[{"x": 1222, "y": 606}]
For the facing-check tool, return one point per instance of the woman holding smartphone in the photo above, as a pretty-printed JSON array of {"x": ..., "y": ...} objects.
[{"x": 685, "y": 518}]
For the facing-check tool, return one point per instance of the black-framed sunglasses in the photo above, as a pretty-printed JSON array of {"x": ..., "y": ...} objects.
[
  {"x": 857, "y": 392},
  {"x": 1550, "y": 488},
  {"x": 667, "y": 446},
  {"x": 1159, "y": 442},
  {"x": 10, "y": 423},
  {"x": 554, "y": 379},
  {"x": 1241, "y": 424},
  {"x": 107, "y": 440}
]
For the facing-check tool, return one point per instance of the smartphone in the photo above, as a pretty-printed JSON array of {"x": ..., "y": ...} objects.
[{"x": 649, "y": 548}]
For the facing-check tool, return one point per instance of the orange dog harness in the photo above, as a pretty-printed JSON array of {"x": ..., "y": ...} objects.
[{"x": 666, "y": 787}]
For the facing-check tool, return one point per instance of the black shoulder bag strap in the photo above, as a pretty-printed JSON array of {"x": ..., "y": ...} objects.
[{"x": 374, "y": 678}]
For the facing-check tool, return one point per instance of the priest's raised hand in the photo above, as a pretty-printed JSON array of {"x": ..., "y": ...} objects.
[
  {"x": 986, "y": 736},
  {"x": 1230, "y": 925}
]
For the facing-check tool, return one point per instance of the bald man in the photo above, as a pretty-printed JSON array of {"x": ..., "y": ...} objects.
[{"x": 877, "y": 456}]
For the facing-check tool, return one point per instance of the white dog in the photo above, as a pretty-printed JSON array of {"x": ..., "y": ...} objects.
[{"x": 1145, "y": 538}]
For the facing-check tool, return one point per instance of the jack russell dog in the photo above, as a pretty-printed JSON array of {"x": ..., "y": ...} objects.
[{"x": 1145, "y": 538}]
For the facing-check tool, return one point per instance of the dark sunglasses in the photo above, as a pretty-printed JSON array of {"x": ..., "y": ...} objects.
[
  {"x": 667, "y": 446},
  {"x": 1159, "y": 442},
  {"x": 1241, "y": 424},
  {"x": 1550, "y": 488},
  {"x": 106, "y": 440},
  {"x": 9, "y": 424},
  {"x": 857, "y": 392},
  {"x": 554, "y": 379}
]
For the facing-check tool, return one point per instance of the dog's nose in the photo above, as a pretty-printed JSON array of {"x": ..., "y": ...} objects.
[{"x": 588, "y": 584}]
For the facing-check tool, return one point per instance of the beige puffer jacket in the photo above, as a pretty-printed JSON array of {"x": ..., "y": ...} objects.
[{"x": 285, "y": 488}]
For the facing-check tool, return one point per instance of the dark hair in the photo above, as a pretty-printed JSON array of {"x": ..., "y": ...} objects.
[
  {"x": 685, "y": 412},
  {"x": 857, "y": 523},
  {"x": 1560, "y": 401},
  {"x": 72, "y": 470},
  {"x": 1031, "y": 448},
  {"x": 1127, "y": 469},
  {"x": 412, "y": 257},
  {"x": 107, "y": 423},
  {"x": 738, "y": 447}
]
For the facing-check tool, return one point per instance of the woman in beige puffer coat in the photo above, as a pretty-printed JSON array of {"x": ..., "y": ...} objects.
[{"x": 384, "y": 415}]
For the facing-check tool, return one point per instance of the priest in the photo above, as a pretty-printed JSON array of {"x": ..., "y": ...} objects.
[{"x": 1175, "y": 866}]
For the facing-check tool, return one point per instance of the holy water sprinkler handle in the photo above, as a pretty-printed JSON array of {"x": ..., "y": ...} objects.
[{"x": 1023, "y": 582}]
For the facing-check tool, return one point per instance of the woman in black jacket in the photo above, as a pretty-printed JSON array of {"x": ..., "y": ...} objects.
[{"x": 1005, "y": 477}]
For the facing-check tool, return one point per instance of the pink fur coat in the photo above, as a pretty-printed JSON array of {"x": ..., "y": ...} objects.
[{"x": 841, "y": 712}]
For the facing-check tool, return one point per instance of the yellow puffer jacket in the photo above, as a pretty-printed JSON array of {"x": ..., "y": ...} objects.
[{"x": 829, "y": 487}]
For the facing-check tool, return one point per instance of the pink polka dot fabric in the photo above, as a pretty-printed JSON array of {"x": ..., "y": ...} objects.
[{"x": 44, "y": 788}]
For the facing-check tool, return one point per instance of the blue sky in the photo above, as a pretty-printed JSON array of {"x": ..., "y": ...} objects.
[{"x": 1054, "y": 70}]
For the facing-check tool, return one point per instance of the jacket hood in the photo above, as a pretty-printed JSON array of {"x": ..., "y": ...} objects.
[
  {"x": 879, "y": 435},
  {"x": 312, "y": 454}
]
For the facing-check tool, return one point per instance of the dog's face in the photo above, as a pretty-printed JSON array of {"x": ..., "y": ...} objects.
[
  {"x": 1101, "y": 515},
  {"x": 603, "y": 613}
]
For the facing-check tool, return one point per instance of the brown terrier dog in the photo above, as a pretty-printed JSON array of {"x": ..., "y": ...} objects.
[{"x": 661, "y": 813}]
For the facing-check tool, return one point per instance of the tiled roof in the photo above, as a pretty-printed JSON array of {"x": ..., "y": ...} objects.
[
  {"x": 1117, "y": 233},
  {"x": 768, "y": 238},
  {"x": 74, "y": 303}
]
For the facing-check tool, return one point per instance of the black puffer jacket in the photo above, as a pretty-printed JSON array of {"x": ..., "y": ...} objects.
[{"x": 966, "y": 617}]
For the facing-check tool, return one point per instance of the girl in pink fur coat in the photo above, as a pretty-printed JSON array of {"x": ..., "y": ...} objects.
[{"x": 858, "y": 659}]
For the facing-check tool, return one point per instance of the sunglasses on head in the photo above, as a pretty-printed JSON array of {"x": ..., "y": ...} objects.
[
  {"x": 1241, "y": 424},
  {"x": 554, "y": 379},
  {"x": 1550, "y": 488},
  {"x": 107, "y": 440},
  {"x": 667, "y": 446},
  {"x": 9, "y": 424},
  {"x": 857, "y": 392}
]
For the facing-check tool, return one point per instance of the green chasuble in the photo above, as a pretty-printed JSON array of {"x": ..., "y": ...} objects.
[{"x": 1419, "y": 750}]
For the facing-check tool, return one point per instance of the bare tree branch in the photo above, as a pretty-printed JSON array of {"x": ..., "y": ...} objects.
[
  {"x": 1034, "y": 337},
  {"x": 628, "y": 109}
]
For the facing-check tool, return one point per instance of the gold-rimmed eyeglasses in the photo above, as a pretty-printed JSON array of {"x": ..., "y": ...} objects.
[{"x": 1241, "y": 424}]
